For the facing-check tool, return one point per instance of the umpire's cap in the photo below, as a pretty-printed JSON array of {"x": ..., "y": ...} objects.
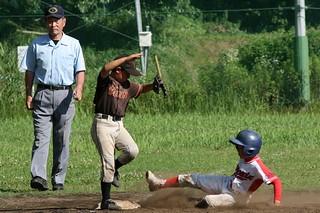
[
  {"x": 54, "y": 11},
  {"x": 129, "y": 66}
]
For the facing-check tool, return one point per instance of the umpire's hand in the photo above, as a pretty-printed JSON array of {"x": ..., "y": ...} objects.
[{"x": 77, "y": 94}]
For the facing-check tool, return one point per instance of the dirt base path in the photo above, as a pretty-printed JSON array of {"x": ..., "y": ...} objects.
[{"x": 164, "y": 201}]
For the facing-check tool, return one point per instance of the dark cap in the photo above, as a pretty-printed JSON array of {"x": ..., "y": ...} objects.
[
  {"x": 129, "y": 66},
  {"x": 54, "y": 11}
]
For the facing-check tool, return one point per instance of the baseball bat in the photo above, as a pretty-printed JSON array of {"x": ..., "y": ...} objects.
[
  {"x": 158, "y": 66},
  {"x": 163, "y": 87}
]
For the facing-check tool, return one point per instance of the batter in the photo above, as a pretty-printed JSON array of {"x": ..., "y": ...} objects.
[{"x": 113, "y": 93}]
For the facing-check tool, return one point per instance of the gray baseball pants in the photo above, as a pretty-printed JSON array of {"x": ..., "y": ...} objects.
[
  {"x": 219, "y": 188},
  {"x": 54, "y": 111}
]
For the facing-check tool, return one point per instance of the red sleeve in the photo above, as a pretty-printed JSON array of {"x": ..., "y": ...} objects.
[{"x": 277, "y": 189}]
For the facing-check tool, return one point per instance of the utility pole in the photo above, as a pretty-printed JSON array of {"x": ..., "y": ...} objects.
[
  {"x": 301, "y": 52},
  {"x": 144, "y": 39}
]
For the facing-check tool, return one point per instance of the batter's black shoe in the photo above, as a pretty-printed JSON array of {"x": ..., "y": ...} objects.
[
  {"x": 58, "y": 187},
  {"x": 39, "y": 184},
  {"x": 202, "y": 204},
  {"x": 110, "y": 205},
  {"x": 116, "y": 181}
]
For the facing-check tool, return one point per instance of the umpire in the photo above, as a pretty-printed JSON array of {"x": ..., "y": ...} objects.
[{"x": 54, "y": 62}]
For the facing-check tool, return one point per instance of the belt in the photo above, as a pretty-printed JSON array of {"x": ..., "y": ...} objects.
[
  {"x": 112, "y": 117},
  {"x": 50, "y": 87}
]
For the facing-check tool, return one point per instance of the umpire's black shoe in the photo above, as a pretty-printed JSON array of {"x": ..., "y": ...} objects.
[
  {"x": 39, "y": 183},
  {"x": 116, "y": 181},
  {"x": 57, "y": 187},
  {"x": 110, "y": 205}
]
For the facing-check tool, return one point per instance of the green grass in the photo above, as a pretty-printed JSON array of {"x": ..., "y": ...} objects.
[{"x": 169, "y": 145}]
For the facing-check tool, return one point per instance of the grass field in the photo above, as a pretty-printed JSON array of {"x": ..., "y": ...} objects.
[{"x": 169, "y": 145}]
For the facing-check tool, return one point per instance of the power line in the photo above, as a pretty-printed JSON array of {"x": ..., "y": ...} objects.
[
  {"x": 155, "y": 12},
  {"x": 112, "y": 13},
  {"x": 94, "y": 22},
  {"x": 313, "y": 8}
]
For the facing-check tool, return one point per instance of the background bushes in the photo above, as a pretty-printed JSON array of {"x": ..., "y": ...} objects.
[{"x": 207, "y": 65}]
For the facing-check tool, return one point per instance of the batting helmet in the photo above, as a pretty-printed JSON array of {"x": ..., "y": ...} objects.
[{"x": 250, "y": 140}]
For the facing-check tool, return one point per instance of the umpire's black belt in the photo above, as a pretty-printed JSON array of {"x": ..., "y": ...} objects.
[
  {"x": 50, "y": 87},
  {"x": 107, "y": 117}
]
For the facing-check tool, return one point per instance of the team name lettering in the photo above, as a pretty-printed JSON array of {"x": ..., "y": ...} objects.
[
  {"x": 242, "y": 175},
  {"x": 115, "y": 92}
]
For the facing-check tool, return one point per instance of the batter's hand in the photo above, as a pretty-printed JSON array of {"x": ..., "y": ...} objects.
[
  {"x": 29, "y": 103},
  {"x": 134, "y": 56},
  {"x": 77, "y": 94}
]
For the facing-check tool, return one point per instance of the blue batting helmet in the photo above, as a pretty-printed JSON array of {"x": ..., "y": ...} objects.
[{"x": 250, "y": 140}]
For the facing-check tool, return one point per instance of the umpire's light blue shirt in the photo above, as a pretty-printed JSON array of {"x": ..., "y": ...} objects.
[{"x": 52, "y": 64}]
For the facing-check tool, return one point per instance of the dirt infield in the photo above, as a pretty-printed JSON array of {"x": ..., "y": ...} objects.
[{"x": 165, "y": 201}]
